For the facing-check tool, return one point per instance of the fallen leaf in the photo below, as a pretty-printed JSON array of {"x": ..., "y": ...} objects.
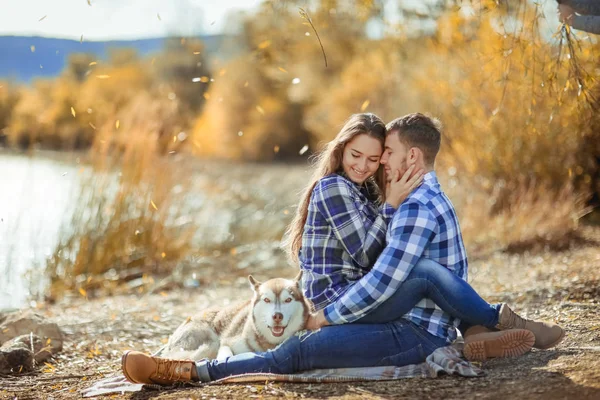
[
  {"x": 92, "y": 125},
  {"x": 49, "y": 368},
  {"x": 260, "y": 110},
  {"x": 364, "y": 105},
  {"x": 282, "y": 69},
  {"x": 153, "y": 205},
  {"x": 92, "y": 63},
  {"x": 117, "y": 124},
  {"x": 73, "y": 112},
  {"x": 102, "y": 76},
  {"x": 264, "y": 44},
  {"x": 82, "y": 292}
]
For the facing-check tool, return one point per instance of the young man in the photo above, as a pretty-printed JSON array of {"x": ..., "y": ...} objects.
[{"x": 424, "y": 248}]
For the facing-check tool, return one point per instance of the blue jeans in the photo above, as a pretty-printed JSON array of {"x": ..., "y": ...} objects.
[
  {"x": 339, "y": 346},
  {"x": 379, "y": 338},
  {"x": 455, "y": 296}
]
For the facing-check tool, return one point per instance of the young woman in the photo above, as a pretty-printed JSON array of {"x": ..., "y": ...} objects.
[
  {"x": 337, "y": 234},
  {"x": 340, "y": 226}
]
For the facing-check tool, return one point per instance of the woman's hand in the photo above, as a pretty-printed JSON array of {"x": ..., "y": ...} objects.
[
  {"x": 565, "y": 13},
  {"x": 398, "y": 189},
  {"x": 316, "y": 321}
]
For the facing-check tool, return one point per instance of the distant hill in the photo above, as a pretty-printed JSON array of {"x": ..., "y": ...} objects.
[{"x": 19, "y": 63}]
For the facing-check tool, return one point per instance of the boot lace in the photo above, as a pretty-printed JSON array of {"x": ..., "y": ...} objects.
[
  {"x": 171, "y": 370},
  {"x": 513, "y": 320}
]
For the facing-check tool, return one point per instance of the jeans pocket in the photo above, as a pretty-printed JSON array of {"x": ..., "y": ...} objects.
[{"x": 414, "y": 355}]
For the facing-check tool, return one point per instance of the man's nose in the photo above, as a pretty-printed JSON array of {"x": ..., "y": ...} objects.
[
  {"x": 383, "y": 159},
  {"x": 278, "y": 317}
]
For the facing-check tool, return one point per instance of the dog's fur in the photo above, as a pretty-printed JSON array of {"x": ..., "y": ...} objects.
[{"x": 277, "y": 311}]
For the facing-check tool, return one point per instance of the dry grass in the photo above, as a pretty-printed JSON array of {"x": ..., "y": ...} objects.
[{"x": 129, "y": 213}]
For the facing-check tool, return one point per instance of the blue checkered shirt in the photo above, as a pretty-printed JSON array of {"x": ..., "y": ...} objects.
[
  {"x": 425, "y": 225},
  {"x": 343, "y": 235}
]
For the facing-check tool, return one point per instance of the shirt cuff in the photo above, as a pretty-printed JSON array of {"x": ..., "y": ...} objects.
[
  {"x": 387, "y": 211},
  {"x": 332, "y": 316}
]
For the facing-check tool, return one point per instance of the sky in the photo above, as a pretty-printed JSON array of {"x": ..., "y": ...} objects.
[
  {"x": 116, "y": 19},
  {"x": 136, "y": 19}
]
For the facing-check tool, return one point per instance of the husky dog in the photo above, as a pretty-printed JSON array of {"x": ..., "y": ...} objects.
[{"x": 277, "y": 311}]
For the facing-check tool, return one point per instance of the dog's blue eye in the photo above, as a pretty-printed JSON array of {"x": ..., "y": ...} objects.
[
  {"x": 288, "y": 300},
  {"x": 267, "y": 300}
]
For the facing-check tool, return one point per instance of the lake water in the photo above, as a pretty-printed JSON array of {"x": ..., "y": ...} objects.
[
  {"x": 36, "y": 196},
  {"x": 233, "y": 205}
]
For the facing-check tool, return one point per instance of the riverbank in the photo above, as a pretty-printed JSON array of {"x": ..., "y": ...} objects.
[{"x": 558, "y": 285}]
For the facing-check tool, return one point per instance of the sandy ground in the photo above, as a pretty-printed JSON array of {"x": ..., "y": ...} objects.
[{"x": 561, "y": 286}]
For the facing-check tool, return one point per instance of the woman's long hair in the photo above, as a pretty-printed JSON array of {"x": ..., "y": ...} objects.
[{"x": 329, "y": 161}]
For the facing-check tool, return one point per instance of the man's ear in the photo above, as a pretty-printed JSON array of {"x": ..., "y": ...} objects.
[
  {"x": 414, "y": 155},
  {"x": 255, "y": 284},
  {"x": 298, "y": 278}
]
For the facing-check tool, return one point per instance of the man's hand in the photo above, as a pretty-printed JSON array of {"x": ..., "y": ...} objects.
[
  {"x": 565, "y": 13},
  {"x": 316, "y": 321}
]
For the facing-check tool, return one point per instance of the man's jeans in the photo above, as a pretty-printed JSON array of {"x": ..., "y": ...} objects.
[{"x": 379, "y": 338}]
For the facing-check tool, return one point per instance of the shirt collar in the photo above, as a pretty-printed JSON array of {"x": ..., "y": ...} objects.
[
  {"x": 430, "y": 177},
  {"x": 430, "y": 180}
]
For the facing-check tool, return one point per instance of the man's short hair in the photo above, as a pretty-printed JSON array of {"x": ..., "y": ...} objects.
[{"x": 418, "y": 130}]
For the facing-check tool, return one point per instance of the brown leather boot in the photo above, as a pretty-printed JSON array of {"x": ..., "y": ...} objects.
[
  {"x": 482, "y": 343},
  {"x": 142, "y": 368},
  {"x": 547, "y": 334}
]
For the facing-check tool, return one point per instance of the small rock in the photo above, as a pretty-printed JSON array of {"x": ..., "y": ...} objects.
[
  {"x": 27, "y": 322},
  {"x": 42, "y": 351},
  {"x": 16, "y": 360}
]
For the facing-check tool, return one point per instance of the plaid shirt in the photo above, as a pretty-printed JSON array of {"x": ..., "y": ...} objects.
[
  {"x": 426, "y": 226},
  {"x": 343, "y": 235}
]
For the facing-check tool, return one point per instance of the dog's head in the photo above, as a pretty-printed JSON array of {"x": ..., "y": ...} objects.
[{"x": 279, "y": 309}]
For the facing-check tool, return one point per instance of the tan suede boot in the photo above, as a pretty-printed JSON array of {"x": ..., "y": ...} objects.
[
  {"x": 482, "y": 343},
  {"x": 547, "y": 334},
  {"x": 142, "y": 368}
]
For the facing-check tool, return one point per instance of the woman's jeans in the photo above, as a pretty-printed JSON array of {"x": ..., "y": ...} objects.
[
  {"x": 380, "y": 338},
  {"x": 339, "y": 346}
]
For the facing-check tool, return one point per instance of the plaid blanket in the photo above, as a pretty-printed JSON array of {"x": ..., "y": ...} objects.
[{"x": 444, "y": 361}]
